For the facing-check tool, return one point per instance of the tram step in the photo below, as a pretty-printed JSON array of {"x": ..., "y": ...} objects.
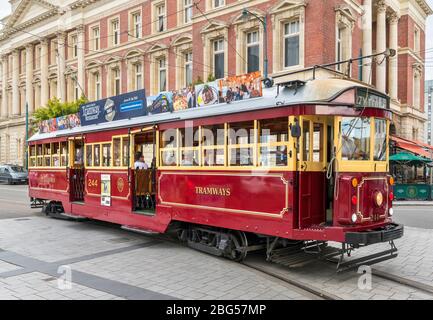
[
  {"x": 138, "y": 230},
  {"x": 72, "y": 216}
]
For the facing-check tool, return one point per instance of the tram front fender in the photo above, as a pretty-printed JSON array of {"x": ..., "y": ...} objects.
[{"x": 385, "y": 234}]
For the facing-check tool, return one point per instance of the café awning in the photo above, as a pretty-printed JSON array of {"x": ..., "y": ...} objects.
[
  {"x": 416, "y": 147},
  {"x": 408, "y": 157}
]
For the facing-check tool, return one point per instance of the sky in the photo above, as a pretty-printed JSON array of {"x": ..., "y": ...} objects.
[{"x": 5, "y": 10}]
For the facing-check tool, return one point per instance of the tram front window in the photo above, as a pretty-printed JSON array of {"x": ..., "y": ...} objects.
[
  {"x": 380, "y": 145},
  {"x": 356, "y": 135}
]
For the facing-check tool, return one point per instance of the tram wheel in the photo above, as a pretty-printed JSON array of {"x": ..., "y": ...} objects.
[{"x": 239, "y": 246}]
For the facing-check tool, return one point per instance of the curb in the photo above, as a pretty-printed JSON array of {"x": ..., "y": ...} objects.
[{"x": 413, "y": 204}]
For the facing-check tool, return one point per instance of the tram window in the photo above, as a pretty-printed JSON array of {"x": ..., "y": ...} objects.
[
  {"x": 125, "y": 153},
  {"x": 355, "y": 138},
  {"x": 32, "y": 162},
  {"x": 169, "y": 157},
  {"x": 39, "y": 149},
  {"x": 241, "y": 156},
  {"x": 117, "y": 152},
  {"x": 169, "y": 138},
  {"x": 96, "y": 155},
  {"x": 274, "y": 130},
  {"x": 213, "y": 157},
  {"x": 32, "y": 151},
  {"x": 380, "y": 145},
  {"x": 274, "y": 136},
  {"x": 89, "y": 156},
  {"x": 56, "y": 154},
  {"x": 306, "y": 140},
  {"x": 213, "y": 135},
  {"x": 318, "y": 142},
  {"x": 106, "y": 154},
  {"x": 241, "y": 132},
  {"x": 189, "y": 137},
  {"x": 273, "y": 156},
  {"x": 190, "y": 158},
  {"x": 40, "y": 162},
  {"x": 64, "y": 154}
]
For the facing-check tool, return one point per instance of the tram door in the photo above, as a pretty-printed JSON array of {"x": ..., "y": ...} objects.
[
  {"x": 312, "y": 164},
  {"x": 144, "y": 171},
  {"x": 76, "y": 170}
]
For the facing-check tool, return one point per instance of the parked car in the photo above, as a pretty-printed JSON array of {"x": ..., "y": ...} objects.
[{"x": 13, "y": 174}]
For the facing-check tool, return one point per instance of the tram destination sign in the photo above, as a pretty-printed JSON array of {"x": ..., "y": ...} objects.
[
  {"x": 370, "y": 99},
  {"x": 124, "y": 106}
]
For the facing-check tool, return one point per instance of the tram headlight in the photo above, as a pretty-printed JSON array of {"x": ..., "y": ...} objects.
[
  {"x": 378, "y": 198},
  {"x": 354, "y": 218},
  {"x": 391, "y": 212}
]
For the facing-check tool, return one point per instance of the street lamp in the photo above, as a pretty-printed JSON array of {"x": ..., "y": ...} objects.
[{"x": 245, "y": 15}]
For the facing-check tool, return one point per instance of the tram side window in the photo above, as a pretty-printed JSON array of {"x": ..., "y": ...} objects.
[
  {"x": 213, "y": 145},
  {"x": 96, "y": 155},
  {"x": 380, "y": 145},
  {"x": 56, "y": 154},
  {"x": 47, "y": 155},
  {"x": 318, "y": 131},
  {"x": 125, "y": 152},
  {"x": 356, "y": 136},
  {"x": 89, "y": 155},
  {"x": 274, "y": 138},
  {"x": 40, "y": 155},
  {"x": 241, "y": 143},
  {"x": 168, "y": 147},
  {"x": 32, "y": 156},
  {"x": 189, "y": 146},
  {"x": 64, "y": 154},
  {"x": 117, "y": 152},
  {"x": 106, "y": 154}
]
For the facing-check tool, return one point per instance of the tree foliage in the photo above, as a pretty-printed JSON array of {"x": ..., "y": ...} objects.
[{"x": 56, "y": 108}]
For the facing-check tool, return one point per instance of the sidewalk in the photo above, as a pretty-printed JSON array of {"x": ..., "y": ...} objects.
[{"x": 412, "y": 203}]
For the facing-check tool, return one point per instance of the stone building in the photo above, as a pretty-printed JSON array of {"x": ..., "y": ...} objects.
[{"x": 102, "y": 48}]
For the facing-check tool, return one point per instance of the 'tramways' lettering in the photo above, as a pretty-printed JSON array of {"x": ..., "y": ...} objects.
[{"x": 213, "y": 191}]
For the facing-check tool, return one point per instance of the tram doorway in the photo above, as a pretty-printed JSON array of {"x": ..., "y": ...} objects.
[
  {"x": 144, "y": 171},
  {"x": 312, "y": 167},
  {"x": 76, "y": 170}
]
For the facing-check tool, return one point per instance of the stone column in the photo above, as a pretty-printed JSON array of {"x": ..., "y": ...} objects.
[
  {"x": 393, "y": 61},
  {"x": 81, "y": 61},
  {"x": 381, "y": 46},
  {"x": 44, "y": 72},
  {"x": 4, "y": 109},
  {"x": 367, "y": 36},
  {"x": 16, "y": 110},
  {"x": 61, "y": 66},
  {"x": 29, "y": 78}
]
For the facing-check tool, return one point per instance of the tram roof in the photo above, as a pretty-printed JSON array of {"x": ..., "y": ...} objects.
[{"x": 312, "y": 92}]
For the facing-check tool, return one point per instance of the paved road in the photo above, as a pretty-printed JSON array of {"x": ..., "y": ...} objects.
[
  {"x": 413, "y": 216},
  {"x": 14, "y": 202}
]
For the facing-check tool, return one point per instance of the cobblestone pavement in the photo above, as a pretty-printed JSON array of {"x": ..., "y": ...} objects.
[{"x": 110, "y": 263}]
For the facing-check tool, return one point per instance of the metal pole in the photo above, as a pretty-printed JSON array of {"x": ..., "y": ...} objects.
[
  {"x": 265, "y": 30},
  {"x": 26, "y": 161}
]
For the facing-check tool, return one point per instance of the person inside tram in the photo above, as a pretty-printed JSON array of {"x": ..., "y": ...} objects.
[
  {"x": 79, "y": 156},
  {"x": 140, "y": 164}
]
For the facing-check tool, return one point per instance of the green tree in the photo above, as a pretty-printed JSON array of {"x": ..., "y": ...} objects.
[{"x": 56, "y": 108}]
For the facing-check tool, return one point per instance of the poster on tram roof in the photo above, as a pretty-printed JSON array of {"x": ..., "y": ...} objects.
[
  {"x": 242, "y": 87},
  {"x": 125, "y": 106}
]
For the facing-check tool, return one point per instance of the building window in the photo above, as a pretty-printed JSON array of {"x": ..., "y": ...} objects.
[
  {"x": 136, "y": 24},
  {"x": 115, "y": 31},
  {"x": 416, "y": 40},
  {"x": 218, "y": 53},
  {"x": 53, "y": 52},
  {"x": 416, "y": 90},
  {"x": 138, "y": 76},
  {"x": 96, "y": 38},
  {"x": 187, "y": 11},
  {"x": 74, "y": 46},
  {"x": 115, "y": 84},
  {"x": 38, "y": 53},
  {"x": 23, "y": 61},
  {"x": 76, "y": 90},
  {"x": 160, "y": 13},
  {"x": 97, "y": 78},
  {"x": 218, "y": 3},
  {"x": 339, "y": 45},
  {"x": 291, "y": 44},
  {"x": 162, "y": 75},
  {"x": 253, "y": 49},
  {"x": 188, "y": 68}
]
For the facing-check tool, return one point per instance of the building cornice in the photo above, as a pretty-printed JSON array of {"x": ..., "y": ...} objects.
[{"x": 425, "y": 7}]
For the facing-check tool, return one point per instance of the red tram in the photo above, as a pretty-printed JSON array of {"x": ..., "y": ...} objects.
[{"x": 307, "y": 161}]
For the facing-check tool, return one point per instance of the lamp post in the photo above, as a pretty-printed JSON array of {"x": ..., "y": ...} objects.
[{"x": 245, "y": 14}]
